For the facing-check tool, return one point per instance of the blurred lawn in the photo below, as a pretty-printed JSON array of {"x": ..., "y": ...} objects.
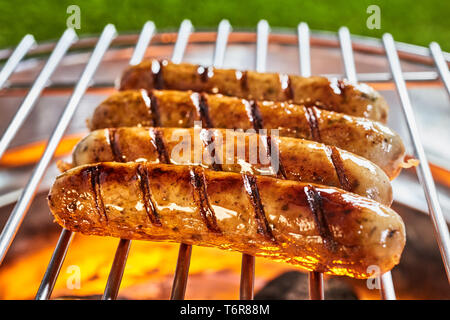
[{"x": 416, "y": 22}]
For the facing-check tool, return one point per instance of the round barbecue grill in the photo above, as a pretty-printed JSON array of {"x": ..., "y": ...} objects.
[{"x": 76, "y": 74}]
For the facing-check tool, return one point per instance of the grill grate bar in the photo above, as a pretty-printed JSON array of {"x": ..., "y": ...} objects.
[
  {"x": 347, "y": 53},
  {"x": 387, "y": 291},
  {"x": 304, "y": 49},
  {"x": 120, "y": 258},
  {"x": 438, "y": 57},
  {"x": 184, "y": 32},
  {"x": 181, "y": 272},
  {"x": 21, "y": 50},
  {"x": 423, "y": 170},
  {"x": 147, "y": 33},
  {"x": 378, "y": 77},
  {"x": 315, "y": 279},
  {"x": 56, "y": 262},
  {"x": 246, "y": 291},
  {"x": 184, "y": 253},
  {"x": 262, "y": 40},
  {"x": 248, "y": 262},
  {"x": 315, "y": 282},
  {"x": 64, "y": 43},
  {"x": 117, "y": 269},
  {"x": 247, "y": 285},
  {"x": 387, "y": 76},
  {"x": 15, "y": 219},
  {"x": 24, "y": 202},
  {"x": 223, "y": 32},
  {"x": 387, "y": 287}
]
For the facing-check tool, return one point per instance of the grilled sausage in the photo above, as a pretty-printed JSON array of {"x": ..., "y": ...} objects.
[
  {"x": 369, "y": 139},
  {"x": 318, "y": 228},
  {"x": 355, "y": 99},
  {"x": 227, "y": 150}
]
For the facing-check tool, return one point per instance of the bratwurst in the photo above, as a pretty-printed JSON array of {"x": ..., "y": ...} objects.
[
  {"x": 371, "y": 140},
  {"x": 314, "y": 227},
  {"x": 228, "y": 150},
  {"x": 356, "y": 99}
]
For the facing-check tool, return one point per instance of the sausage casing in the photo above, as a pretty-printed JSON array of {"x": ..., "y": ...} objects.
[
  {"x": 371, "y": 140},
  {"x": 314, "y": 227},
  {"x": 355, "y": 99},
  {"x": 228, "y": 150}
]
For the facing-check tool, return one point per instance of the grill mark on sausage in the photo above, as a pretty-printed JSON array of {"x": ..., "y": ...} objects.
[
  {"x": 204, "y": 109},
  {"x": 205, "y": 73},
  {"x": 290, "y": 90},
  {"x": 154, "y": 108},
  {"x": 158, "y": 142},
  {"x": 338, "y": 165},
  {"x": 281, "y": 174},
  {"x": 157, "y": 72},
  {"x": 251, "y": 188},
  {"x": 117, "y": 154},
  {"x": 200, "y": 102},
  {"x": 201, "y": 198},
  {"x": 286, "y": 86},
  {"x": 311, "y": 117},
  {"x": 343, "y": 87},
  {"x": 242, "y": 77},
  {"x": 147, "y": 102},
  {"x": 150, "y": 209},
  {"x": 255, "y": 115},
  {"x": 209, "y": 143},
  {"x": 94, "y": 173},
  {"x": 315, "y": 204}
]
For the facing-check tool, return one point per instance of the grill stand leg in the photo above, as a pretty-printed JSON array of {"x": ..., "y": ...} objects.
[
  {"x": 181, "y": 272},
  {"x": 386, "y": 288},
  {"x": 316, "y": 286},
  {"x": 184, "y": 254},
  {"x": 52, "y": 272},
  {"x": 117, "y": 269},
  {"x": 248, "y": 262},
  {"x": 315, "y": 279},
  {"x": 121, "y": 256},
  {"x": 387, "y": 291},
  {"x": 247, "y": 277}
]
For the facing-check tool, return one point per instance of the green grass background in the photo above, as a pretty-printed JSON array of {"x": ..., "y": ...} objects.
[{"x": 418, "y": 22}]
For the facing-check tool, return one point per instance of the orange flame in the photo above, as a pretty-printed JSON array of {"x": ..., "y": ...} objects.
[
  {"x": 213, "y": 273},
  {"x": 32, "y": 152}
]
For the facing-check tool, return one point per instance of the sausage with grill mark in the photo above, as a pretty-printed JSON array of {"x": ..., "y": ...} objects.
[
  {"x": 314, "y": 227},
  {"x": 343, "y": 96},
  {"x": 366, "y": 138},
  {"x": 219, "y": 149}
]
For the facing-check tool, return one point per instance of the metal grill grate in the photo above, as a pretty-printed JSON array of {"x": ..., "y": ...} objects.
[{"x": 108, "y": 35}]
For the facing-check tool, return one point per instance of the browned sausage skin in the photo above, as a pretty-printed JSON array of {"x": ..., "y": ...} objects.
[
  {"x": 366, "y": 138},
  {"x": 355, "y": 99},
  {"x": 314, "y": 227},
  {"x": 227, "y": 150}
]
